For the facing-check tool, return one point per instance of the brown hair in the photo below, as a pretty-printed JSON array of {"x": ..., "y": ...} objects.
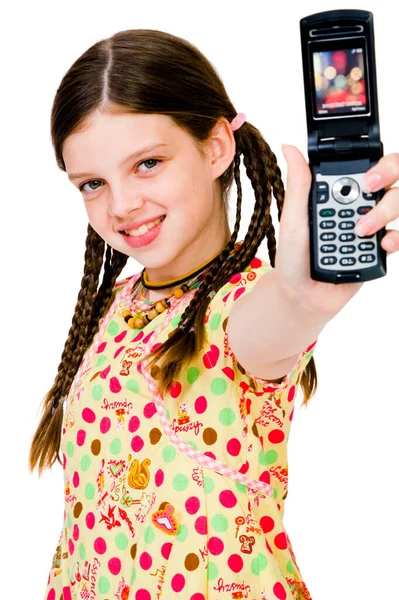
[{"x": 120, "y": 74}]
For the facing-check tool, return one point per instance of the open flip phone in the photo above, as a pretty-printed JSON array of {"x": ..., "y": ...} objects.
[{"x": 343, "y": 143}]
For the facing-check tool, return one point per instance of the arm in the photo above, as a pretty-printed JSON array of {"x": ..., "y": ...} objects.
[{"x": 266, "y": 333}]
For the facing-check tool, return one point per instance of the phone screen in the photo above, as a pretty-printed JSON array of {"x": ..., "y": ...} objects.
[{"x": 340, "y": 82}]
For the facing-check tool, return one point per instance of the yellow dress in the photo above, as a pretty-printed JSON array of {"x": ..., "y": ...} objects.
[{"x": 144, "y": 519}]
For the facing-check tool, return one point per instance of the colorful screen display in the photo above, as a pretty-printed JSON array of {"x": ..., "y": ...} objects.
[{"x": 340, "y": 82}]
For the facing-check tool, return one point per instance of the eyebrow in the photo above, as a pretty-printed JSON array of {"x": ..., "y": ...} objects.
[{"x": 136, "y": 154}]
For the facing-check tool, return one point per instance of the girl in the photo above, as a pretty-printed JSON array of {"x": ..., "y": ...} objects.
[{"x": 174, "y": 397}]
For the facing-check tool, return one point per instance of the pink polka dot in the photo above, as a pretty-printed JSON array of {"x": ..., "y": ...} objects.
[
  {"x": 134, "y": 424},
  {"x": 159, "y": 477},
  {"x": 75, "y": 532},
  {"x": 149, "y": 410},
  {"x": 105, "y": 424},
  {"x": 197, "y": 596},
  {"x": 80, "y": 437},
  {"x": 210, "y": 454},
  {"x": 137, "y": 443},
  {"x": 114, "y": 385},
  {"x": 291, "y": 414},
  {"x": 178, "y": 582},
  {"x": 101, "y": 347},
  {"x": 192, "y": 505},
  {"x": 88, "y": 415},
  {"x": 75, "y": 479},
  {"x": 118, "y": 338},
  {"x": 281, "y": 541},
  {"x": 100, "y": 545},
  {"x": 71, "y": 547},
  {"x": 266, "y": 523},
  {"x": 90, "y": 520},
  {"x": 143, "y": 595},
  {"x": 201, "y": 525},
  {"x": 276, "y": 436},
  {"x": 235, "y": 562},
  {"x": 66, "y": 592},
  {"x": 114, "y": 565},
  {"x": 215, "y": 545},
  {"x": 291, "y": 393},
  {"x": 166, "y": 548},
  {"x": 64, "y": 459},
  {"x": 175, "y": 389},
  {"x": 279, "y": 591},
  {"x": 235, "y": 278},
  {"x": 145, "y": 561},
  {"x": 234, "y": 447},
  {"x": 51, "y": 594},
  {"x": 200, "y": 406},
  {"x": 238, "y": 293},
  {"x": 227, "y": 499}
]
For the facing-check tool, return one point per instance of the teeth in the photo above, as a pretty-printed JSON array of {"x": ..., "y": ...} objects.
[{"x": 143, "y": 228}]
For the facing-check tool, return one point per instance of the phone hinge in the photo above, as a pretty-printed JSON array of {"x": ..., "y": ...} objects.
[{"x": 342, "y": 146}]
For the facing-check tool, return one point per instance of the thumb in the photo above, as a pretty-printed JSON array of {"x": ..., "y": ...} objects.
[{"x": 299, "y": 179}]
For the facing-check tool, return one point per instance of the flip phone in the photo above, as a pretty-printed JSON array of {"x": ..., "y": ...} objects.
[{"x": 340, "y": 84}]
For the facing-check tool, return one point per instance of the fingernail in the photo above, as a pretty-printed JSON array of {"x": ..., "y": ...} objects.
[
  {"x": 372, "y": 181},
  {"x": 364, "y": 227}
]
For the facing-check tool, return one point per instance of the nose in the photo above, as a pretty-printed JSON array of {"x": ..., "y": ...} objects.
[{"x": 123, "y": 200}]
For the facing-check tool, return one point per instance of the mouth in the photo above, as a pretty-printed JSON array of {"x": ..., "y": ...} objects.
[{"x": 143, "y": 228}]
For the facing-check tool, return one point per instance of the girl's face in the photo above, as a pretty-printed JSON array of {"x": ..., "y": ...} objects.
[{"x": 173, "y": 180}]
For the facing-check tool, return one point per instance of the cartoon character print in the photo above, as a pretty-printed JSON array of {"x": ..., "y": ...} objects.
[{"x": 183, "y": 410}]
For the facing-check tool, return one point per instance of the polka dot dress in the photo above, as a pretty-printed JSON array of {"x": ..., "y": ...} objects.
[{"x": 179, "y": 499}]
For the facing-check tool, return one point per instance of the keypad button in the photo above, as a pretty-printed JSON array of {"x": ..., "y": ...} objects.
[
  {"x": 329, "y": 236},
  {"x": 322, "y": 186},
  {"x": 347, "y": 249},
  {"x": 321, "y": 197},
  {"x": 348, "y": 261},
  {"x": 370, "y": 195},
  {"x": 365, "y": 258},
  {"x": 366, "y": 246},
  {"x": 347, "y": 237},
  {"x": 328, "y": 248},
  {"x": 327, "y": 212},
  {"x": 363, "y": 210},
  {"x": 328, "y": 260},
  {"x": 346, "y": 225},
  {"x": 346, "y": 213},
  {"x": 327, "y": 224}
]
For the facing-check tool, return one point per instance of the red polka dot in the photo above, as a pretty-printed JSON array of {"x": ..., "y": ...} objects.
[
  {"x": 134, "y": 424},
  {"x": 90, "y": 520},
  {"x": 255, "y": 263},
  {"x": 101, "y": 347},
  {"x": 142, "y": 595},
  {"x": 197, "y": 596},
  {"x": 80, "y": 437},
  {"x": 268, "y": 547},
  {"x": 71, "y": 546},
  {"x": 145, "y": 561},
  {"x": 159, "y": 477},
  {"x": 118, "y": 338},
  {"x": 215, "y": 545},
  {"x": 235, "y": 278},
  {"x": 66, "y": 592},
  {"x": 175, "y": 389},
  {"x": 100, "y": 545},
  {"x": 200, "y": 406},
  {"x": 178, "y": 582},
  {"x": 265, "y": 477},
  {"x": 266, "y": 523},
  {"x": 114, "y": 385},
  {"x": 291, "y": 393},
  {"x": 64, "y": 459},
  {"x": 227, "y": 499},
  {"x": 276, "y": 436},
  {"x": 88, "y": 415},
  {"x": 75, "y": 479},
  {"x": 137, "y": 443},
  {"x": 201, "y": 525},
  {"x": 234, "y": 447},
  {"x": 279, "y": 591},
  {"x": 192, "y": 505},
  {"x": 114, "y": 565},
  {"x": 149, "y": 410},
  {"x": 238, "y": 293},
  {"x": 292, "y": 414},
  {"x": 105, "y": 424},
  {"x": 165, "y": 550},
  {"x": 51, "y": 594},
  {"x": 210, "y": 455},
  {"x": 235, "y": 562},
  {"x": 75, "y": 533},
  {"x": 281, "y": 541}
]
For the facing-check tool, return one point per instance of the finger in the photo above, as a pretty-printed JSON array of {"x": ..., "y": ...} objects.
[
  {"x": 390, "y": 241},
  {"x": 387, "y": 170},
  {"x": 299, "y": 179},
  {"x": 386, "y": 210}
]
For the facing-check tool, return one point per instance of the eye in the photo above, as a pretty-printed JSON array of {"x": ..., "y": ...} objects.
[{"x": 149, "y": 160}]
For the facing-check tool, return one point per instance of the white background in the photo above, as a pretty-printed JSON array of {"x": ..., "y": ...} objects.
[{"x": 341, "y": 511}]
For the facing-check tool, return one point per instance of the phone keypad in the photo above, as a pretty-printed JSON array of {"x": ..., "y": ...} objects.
[{"x": 338, "y": 246}]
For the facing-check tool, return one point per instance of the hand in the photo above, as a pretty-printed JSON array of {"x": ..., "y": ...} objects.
[{"x": 292, "y": 265}]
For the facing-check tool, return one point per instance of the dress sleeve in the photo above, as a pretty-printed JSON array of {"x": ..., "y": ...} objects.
[{"x": 219, "y": 310}]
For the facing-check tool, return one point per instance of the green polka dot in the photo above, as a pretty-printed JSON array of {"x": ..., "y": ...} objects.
[
  {"x": 209, "y": 485},
  {"x": 263, "y": 562},
  {"x": 176, "y": 320},
  {"x": 70, "y": 449},
  {"x": 82, "y": 552},
  {"x": 121, "y": 541},
  {"x": 255, "y": 566},
  {"x": 219, "y": 523},
  {"x": 212, "y": 571},
  {"x": 215, "y": 321},
  {"x": 149, "y": 534},
  {"x": 290, "y": 566},
  {"x": 227, "y": 416},
  {"x": 97, "y": 392},
  {"x": 169, "y": 454},
  {"x": 90, "y": 491},
  {"x": 275, "y": 493},
  {"x": 85, "y": 462},
  {"x": 167, "y": 413},
  {"x": 101, "y": 360},
  {"x": 113, "y": 328},
  {"x": 218, "y": 386},
  {"x": 115, "y": 446},
  {"x": 241, "y": 487},
  {"x": 104, "y": 585},
  {"x": 133, "y": 385},
  {"x": 180, "y": 482},
  {"x": 69, "y": 521},
  {"x": 267, "y": 458},
  {"x": 192, "y": 374},
  {"x": 69, "y": 572},
  {"x": 133, "y": 576},
  {"x": 182, "y": 533},
  {"x": 193, "y": 445}
]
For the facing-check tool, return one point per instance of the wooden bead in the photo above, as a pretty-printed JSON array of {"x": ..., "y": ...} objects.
[
  {"x": 126, "y": 313},
  {"x": 178, "y": 292},
  {"x": 152, "y": 314},
  {"x": 160, "y": 308},
  {"x": 131, "y": 322},
  {"x": 138, "y": 323}
]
